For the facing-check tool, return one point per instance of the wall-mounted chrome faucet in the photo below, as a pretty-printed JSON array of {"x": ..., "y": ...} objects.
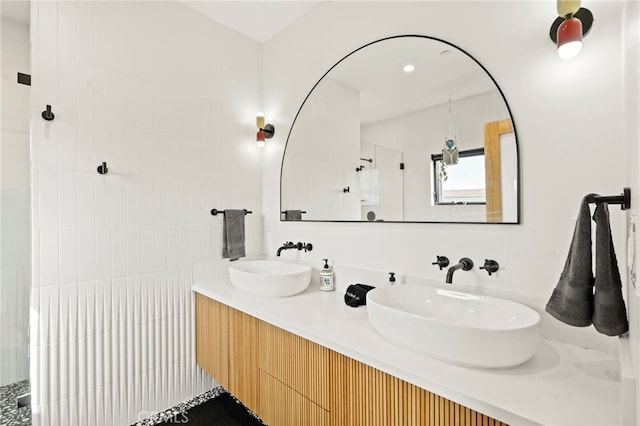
[
  {"x": 298, "y": 246},
  {"x": 465, "y": 264}
]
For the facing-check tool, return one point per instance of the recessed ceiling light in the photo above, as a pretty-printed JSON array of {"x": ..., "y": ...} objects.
[
  {"x": 445, "y": 52},
  {"x": 409, "y": 68}
]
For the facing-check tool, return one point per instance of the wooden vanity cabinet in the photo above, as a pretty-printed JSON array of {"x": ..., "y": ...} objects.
[
  {"x": 363, "y": 395},
  {"x": 294, "y": 379},
  {"x": 281, "y": 405},
  {"x": 227, "y": 348},
  {"x": 212, "y": 338},
  {"x": 243, "y": 358},
  {"x": 290, "y": 381}
]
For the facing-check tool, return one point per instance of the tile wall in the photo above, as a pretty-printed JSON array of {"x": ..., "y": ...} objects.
[{"x": 168, "y": 99}]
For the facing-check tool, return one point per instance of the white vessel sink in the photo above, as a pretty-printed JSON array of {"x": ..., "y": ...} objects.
[
  {"x": 270, "y": 278},
  {"x": 462, "y": 328}
]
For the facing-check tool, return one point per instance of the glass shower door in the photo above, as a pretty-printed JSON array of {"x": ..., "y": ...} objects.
[{"x": 15, "y": 213}]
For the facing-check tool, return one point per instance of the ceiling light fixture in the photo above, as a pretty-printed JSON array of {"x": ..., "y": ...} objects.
[
  {"x": 567, "y": 31},
  {"x": 409, "y": 68}
]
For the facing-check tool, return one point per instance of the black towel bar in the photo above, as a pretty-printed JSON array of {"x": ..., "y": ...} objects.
[
  {"x": 623, "y": 199},
  {"x": 301, "y": 211},
  {"x": 215, "y": 212}
]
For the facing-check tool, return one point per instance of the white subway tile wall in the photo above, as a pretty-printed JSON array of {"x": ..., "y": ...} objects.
[{"x": 167, "y": 98}]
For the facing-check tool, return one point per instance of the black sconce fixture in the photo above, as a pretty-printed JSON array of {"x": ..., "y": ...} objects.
[{"x": 265, "y": 131}]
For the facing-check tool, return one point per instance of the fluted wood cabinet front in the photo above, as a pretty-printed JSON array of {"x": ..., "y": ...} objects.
[
  {"x": 363, "y": 395},
  {"x": 282, "y": 406},
  {"x": 243, "y": 358},
  {"x": 212, "y": 338},
  {"x": 299, "y": 363},
  {"x": 226, "y": 348}
]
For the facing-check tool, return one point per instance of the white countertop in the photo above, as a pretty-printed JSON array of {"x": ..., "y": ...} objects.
[{"x": 561, "y": 385}]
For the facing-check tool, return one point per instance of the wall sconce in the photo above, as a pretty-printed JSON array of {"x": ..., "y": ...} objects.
[
  {"x": 573, "y": 23},
  {"x": 265, "y": 131}
]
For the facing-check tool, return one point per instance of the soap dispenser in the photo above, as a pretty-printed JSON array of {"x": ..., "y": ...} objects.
[{"x": 326, "y": 277}]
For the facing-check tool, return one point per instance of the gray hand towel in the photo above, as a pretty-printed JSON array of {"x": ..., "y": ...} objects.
[
  {"x": 233, "y": 234},
  {"x": 293, "y": 215},
  {"x": 572, "y": 300},
  {"x": 609, "y": 311}
]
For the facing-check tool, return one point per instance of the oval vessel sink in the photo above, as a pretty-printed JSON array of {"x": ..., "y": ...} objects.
[
  {"x": 270, "y": 278},
  {"x": 462, "y": 328}
]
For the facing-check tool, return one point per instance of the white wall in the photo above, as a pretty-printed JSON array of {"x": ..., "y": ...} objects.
[
  {"x": 15, "y": 223},
  {"x": 631, "y": 126},
  {"x": 568, "y": 115},
  {"x": 168, "y": 99}
]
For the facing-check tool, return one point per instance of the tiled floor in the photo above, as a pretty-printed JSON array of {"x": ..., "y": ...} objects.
[
  {"x": 10, "y": 414},
  {"x": 170, "y": 412},
  {"x": 167, "y": 415}
]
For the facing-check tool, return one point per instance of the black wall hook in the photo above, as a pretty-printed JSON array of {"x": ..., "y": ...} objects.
[
  {"x": 102, "y": 168},
  {"x": 47, "y": 114}
]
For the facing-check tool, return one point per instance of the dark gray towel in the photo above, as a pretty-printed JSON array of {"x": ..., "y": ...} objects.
[
  {"x": 233, "y": 234},
  {"x": 609, "y": 311},
  {"x": 572, "y": 299},
  {"x": 293, "y": 215}
]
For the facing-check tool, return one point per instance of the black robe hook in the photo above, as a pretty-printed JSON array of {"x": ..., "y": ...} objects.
[
  {"x": 47, "y": 114},
  {"x": 102, "y": 168}
]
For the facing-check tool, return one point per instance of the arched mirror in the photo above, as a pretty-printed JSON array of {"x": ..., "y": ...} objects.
[{"x": 404, "y": 129}]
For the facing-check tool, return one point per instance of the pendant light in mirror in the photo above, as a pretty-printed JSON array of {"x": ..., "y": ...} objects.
[{"x": 450, "y": 155}]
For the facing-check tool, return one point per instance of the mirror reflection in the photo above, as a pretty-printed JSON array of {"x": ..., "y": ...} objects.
[{"x": 404, "y": 129}]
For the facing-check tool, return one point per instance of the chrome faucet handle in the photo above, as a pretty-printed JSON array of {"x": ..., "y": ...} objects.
[
  {"x": 490, "y": 266},
  {"x": 441, "y": 261}
]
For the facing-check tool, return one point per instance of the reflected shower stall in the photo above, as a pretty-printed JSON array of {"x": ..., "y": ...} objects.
[{"x": 15, "y": 214}]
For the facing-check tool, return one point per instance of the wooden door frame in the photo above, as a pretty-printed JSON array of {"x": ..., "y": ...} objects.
[{"x": 493, "y": 174}]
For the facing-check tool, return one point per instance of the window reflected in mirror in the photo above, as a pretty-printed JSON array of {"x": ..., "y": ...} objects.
[{"x": 462, "y": 183}]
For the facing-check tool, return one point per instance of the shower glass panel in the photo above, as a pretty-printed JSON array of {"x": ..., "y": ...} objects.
[{"x": 15, "y": 214}]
